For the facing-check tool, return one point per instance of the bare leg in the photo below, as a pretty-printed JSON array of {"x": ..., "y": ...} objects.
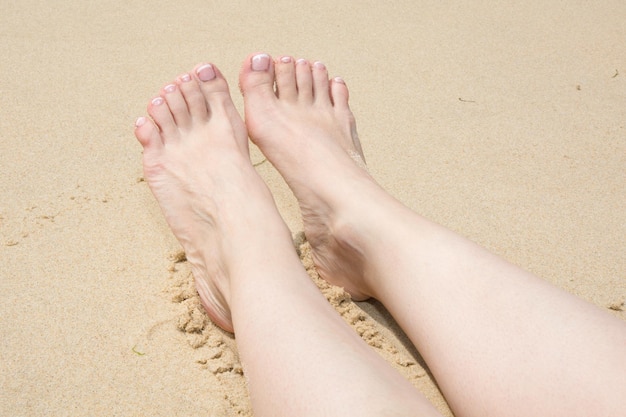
[
  {"x": 301, "y": 359},
  {"x": 499, "y": 340}
]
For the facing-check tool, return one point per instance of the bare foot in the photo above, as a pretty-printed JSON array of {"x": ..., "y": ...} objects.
[
  {"x": 197, "y": 164},
  {"x": 302, "y": 122}
]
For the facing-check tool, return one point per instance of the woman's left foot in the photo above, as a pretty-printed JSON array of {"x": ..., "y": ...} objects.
[{"x": 197, "y": 165}]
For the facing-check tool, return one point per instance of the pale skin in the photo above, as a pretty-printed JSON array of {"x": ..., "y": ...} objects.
[{"x": 499, "y": 341}]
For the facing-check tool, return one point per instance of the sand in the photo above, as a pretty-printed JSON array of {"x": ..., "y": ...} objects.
[{"x": 505, "y": 123}]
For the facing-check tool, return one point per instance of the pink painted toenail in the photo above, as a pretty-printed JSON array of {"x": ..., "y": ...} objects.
[
  {"x": 157, "y": 101},
  {"x": 339, "y": 80},
  {"x": 285, "y": 59},
  {"x": 140, "y": 121},
  {"x": 170, "y": 88},
  {"x": 206, "y": 72},
  {"x": 185, "y": 78},
  {"x": 261, "y": 62},
  {"x": 319, "y": 65}
]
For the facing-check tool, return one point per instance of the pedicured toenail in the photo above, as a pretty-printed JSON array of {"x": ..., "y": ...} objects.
[
  {"x": 140, "y": 121},
  {"x": 319, "y": 65},
  {"x": 261, "y": 62},
  {"x": 185, "y": 78},
  {"x": 301, "y": 61},
  {"x": 285, "y": 59},
  {"x": 170, "y": 88},
  {"x": 206, "y": 72},
  {"x": 339, "y": 80},
  {"x": 157, "y": 101}
]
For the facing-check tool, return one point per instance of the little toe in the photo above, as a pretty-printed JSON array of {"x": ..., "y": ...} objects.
[
  {"x": 177, "y": 105},
  {"x": 147, "y": 133},
  {"x": 321, "y": 91},
  {"x": 286, "y": 79},
  {"x": 304, "y": 79},
  {"x": 339, "y": 93},
  {"x": 162, "y": 116},
  {"x": 190, "y": 90},
  {"x": 256, "y": 78}
]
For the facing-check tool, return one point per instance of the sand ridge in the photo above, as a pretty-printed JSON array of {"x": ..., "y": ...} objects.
[{"x": 215, "y": 350}]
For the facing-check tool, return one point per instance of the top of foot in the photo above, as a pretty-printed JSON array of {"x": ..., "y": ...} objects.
[
  {"x": 197, "y": 165},
  {"x": 301, "y": 121}
]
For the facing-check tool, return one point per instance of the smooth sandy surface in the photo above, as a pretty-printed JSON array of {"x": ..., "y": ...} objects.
[{"x": 504, "y": 123}]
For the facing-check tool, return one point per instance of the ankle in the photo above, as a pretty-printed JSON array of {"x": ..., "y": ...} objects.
[
  {"x": 367, "y": 238},
  {"x": 356, "y": 239}
]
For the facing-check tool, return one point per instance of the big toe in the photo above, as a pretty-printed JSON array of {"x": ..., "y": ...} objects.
[
  {"x": 256, "y": 78},
  {"x": 213, "y": 86}
]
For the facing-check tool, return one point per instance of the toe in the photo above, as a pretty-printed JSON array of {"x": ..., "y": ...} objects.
[
  {"x": 286, "y": 79},
  {"x": 339, "y": 93},
  {"x": 213, "y": 86},
  {"x": 304, "y": 79},
  {"x": 257, "y": 77},
  {"x": 194, "y": 98},
  {"x": 177, "y": 105},
  {"x": 148, "y": 134},
  {"x": 321, "y": 91},
  {"x": 219, "y": 103},
  {"x": 162, "y": 116}
]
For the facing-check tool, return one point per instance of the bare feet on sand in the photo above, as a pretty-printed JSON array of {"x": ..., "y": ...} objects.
[
  {"x": 301, "y": 121},
  {"x": 466, "y": 310},
  {"x": 197, "y": 164}
]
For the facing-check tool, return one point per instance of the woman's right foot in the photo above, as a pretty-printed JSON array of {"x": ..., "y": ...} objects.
[{"x": 302, "y": 122}]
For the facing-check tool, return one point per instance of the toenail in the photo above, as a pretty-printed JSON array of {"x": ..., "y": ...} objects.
[
  {"x": 339, "y": 80},
  {"x": 185, "y": 78},
  {"x": 301, "y": 61},
  {"x": 285, "y": 59},
  {"x": 206, "y": 72},
  {"x": 319, "y": 65},
  {"x": 157, "y": 101},
  {"x": 140, "y": 121},
  {"x": 260, "y": 62},
  {"x": 170, "y": 88}
]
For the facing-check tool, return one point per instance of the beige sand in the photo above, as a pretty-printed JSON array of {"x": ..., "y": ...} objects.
[{"x": 505, "y": 123}]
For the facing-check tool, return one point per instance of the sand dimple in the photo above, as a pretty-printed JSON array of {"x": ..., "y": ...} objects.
[{"x": 216, "y": 349}]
